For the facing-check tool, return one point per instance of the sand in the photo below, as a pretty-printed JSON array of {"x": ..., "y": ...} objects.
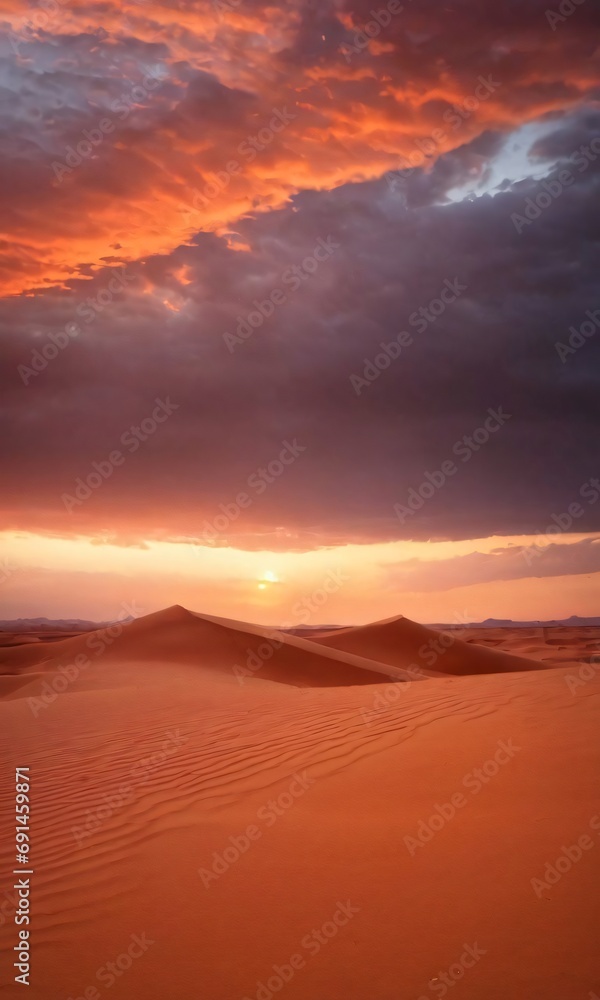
[
  {"x": 404, "y": 643},
  {"x": 308, "y": 827},
  {"x": 558, "y": 645}
]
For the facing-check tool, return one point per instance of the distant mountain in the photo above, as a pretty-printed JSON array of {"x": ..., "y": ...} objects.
[
  {"x": 82, "y": 625},
  {"x": 307, "y": 629},
  {"x": 573, "y": 621},
  {"x": 54, "y": 625}
]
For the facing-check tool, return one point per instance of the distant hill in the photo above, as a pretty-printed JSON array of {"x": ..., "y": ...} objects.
[
  {"x": 574, "y": 621},
  {"x": 82, "y": 625},
  {"x": 54, "y": 625}
]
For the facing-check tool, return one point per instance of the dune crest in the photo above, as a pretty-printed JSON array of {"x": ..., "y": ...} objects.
[
  {"x": 401, "y": 642},
  {"x": 224, "y": 648}
]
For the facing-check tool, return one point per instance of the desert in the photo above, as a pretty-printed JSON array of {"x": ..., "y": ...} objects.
[{"x": 316, "y": 827}]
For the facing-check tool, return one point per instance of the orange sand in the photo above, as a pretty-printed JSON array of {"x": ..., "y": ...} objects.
[{"x": 364, "y": 836}]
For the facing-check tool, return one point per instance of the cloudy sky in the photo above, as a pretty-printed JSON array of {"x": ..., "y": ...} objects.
[{"x": 300, "y": 309}]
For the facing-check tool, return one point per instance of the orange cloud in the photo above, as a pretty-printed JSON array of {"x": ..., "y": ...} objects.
[{"x": 184, "y": 94}]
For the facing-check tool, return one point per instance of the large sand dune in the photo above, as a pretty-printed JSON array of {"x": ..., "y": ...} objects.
[
  {"x": 402, "y": 643},
  {"x": 234, "y": 651},
  {"x": 196, "y": 833}
]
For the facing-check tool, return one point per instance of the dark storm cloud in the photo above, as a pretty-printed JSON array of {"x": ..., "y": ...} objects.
[
  {"x": 398, "y": 243},
  {"x": 291, "y": 379}
]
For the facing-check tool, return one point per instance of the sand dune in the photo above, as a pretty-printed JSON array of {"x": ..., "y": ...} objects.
[
  {"x": 236, "y": 651},
  {"x": 193, "y": 836},
  {"x": 401, "y": 642}
]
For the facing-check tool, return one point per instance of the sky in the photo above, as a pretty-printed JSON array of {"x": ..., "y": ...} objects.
[{"x": 300, "y": 309}]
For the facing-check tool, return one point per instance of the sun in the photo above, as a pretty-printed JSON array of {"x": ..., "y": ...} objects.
[{"x": 268, "y": 577}]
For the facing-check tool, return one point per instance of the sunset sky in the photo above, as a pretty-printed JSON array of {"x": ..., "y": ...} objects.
[{"x": 300, "y": 309}]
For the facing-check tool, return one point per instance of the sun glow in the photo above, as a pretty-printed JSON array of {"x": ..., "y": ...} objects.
[
  {"x": 268, "y": 578},
  {"x": 98, "y": 577}
]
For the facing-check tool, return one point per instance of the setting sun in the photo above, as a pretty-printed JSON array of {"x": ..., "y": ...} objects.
[{"x": 268, "y": 577}]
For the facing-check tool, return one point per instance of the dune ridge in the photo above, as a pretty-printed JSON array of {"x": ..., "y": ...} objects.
[
  {"x": 400, "y": 642},
  {"x": 228, "y": 652},
  {"x": 230, "y": 649}
]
